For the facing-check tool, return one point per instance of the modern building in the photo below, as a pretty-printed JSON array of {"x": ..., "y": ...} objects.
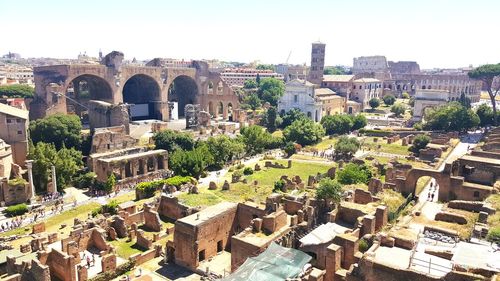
[
  {"x": 236, "y": 77},
  {"x": 317, "y": 63},
  {"x": 14, "y": 124},
  {"x": 313, "y": 102},
  {"x": 365, "y": 89}
]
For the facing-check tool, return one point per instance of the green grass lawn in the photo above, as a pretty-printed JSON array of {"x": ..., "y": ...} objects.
[
  {"x": 240, "y": 192},
  {"x": 323, "y": 145},
  {"x": 125, "y": 248}
]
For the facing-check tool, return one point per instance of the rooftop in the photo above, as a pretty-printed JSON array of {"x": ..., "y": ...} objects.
[
  {"x": 13, "y": 111},
  {"x": 323, "y": 234},
  {"x": 323, "y": 92},
  {"x": 337, "y": 78},
  {"x": 367, "y": 80},
  {"x": 481, "y": 159},
  {"x": 208, "y": 213}
]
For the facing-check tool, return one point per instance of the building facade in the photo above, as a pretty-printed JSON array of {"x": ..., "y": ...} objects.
[
  {"x": 365, "y": 89},
  {"x": 314, "y": 103},
  {"x": 14, "y": 123},
  {"x": 236, "y": 77},
  {"x": 341, "y": 84}
]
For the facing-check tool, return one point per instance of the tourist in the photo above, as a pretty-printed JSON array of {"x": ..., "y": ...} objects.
[
  {"x": 88, "y": 262},
  {"x": 93, "y": 259}
]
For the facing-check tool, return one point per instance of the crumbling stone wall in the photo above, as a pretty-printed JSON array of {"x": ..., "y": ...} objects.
[{"x": 171, "y": 208}]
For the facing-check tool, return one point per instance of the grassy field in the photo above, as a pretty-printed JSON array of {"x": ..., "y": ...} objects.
[
  {"x": 494, "y": 220},
  {"x": 326, "y": 143},
  {"x": 464, "y": 231},
  {"x": 266, "y": 177}
]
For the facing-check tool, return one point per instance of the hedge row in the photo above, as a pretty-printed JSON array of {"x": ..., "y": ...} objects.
[
  {"x": 16, "y": 210},
  {"x": 149, "y": 188}
]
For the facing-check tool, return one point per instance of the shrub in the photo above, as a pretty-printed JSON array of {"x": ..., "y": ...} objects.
[
  {"x": 363, "y": 245},
  {"x": 110, "y": 208},
  {"x": 110, "y": 275},
  {"x": 247, "y": 171},
  {"x": 374, "y": 103},
  {"x": 17, "y": 182},
  {"x": 16, "y": 210},
  {"x": 289, "y": 149},
  {"x": 240, "y": 166},
  {"x": 279, "y": 186},
  {"x": 353, "y": 174},
  {"x": 419, "y": 142},
  {"x": 231, "y": 169},
  {"x": 405, "y": 96},
  {"x": 494, "y": 234},
  {"x": 389, "y": 99},
  {"x": 238, "y": 173},
  {"x": 85, "y": 180}
]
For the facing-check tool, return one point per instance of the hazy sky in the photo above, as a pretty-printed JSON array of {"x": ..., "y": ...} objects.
[{"x": 435, "y": 33}]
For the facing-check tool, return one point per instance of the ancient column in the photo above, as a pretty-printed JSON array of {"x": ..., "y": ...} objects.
[
  {"x": 29, "y": 165},
  {"x": 54, "y": 180}
]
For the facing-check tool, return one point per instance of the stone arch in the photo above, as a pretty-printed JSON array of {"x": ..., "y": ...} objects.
[
  {"x": 143, "y": 94},
  {"x": 220, "y": 109},
  {"x": 442, "y": 179},
  {"x": 183, "y": 90},
  {"x": 83, "y": 88}
]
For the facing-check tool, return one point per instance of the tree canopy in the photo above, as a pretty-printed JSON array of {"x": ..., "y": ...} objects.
[
  {"x": 487, "y": 74},
  {"x": 172, "y": 140},
  {"x": 252, "y": 101},
  {"x": 329, "y": 189},
  {"x": 271, "y": 119},
  {"x": 67, "y": 162},
  {"x": 17, "y": 91},
  {"x": 335, "y": 70},
  {"x": 354, "y": 173},
  {"x": 271, "y": 90},
  {"x": 337, "y": 124},
  {"x": 374, "y": 103},
  {"x": 256, "y": 139},
  {"x": 359, "y": 121},
  {"x": 345, "y": 147},
  {"x": 304, "y": 132},
  {"x": 265, "y": 67},
  {"x": 192, "y": 162},
  {"x": 398, "y": 109},
  {"x": 224, "y": 149},
  {"x": 250, "y": 84},
  {"x": 451, "y": 117},
  {"x": 389, "y": 99},
  {"x": 419, "y": 142},
  {"x": 291, "y": 116},
  {"x": 59, "y": 129},
  {"x": 485, "y": 114}
]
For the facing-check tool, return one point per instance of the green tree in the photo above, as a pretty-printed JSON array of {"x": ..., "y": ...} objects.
[
  {"x": 271, "y": 90},
  {"x": 279, "y": 186},
  {"x": 358, "y": 122},
  {"x": 419, "y": 142},
  {"x": 354, "y": 174},
  {"x": 485, "y": 114},
  {"x": 250, "y": 84},
  {"x": 255, "y": 138},
  {"x": 451, "y": 117},
  {"x": 487, "y": 74},
  {"x": 304, "y": 132},
  {"x": 257, "y": 79},
  {"x": 335, "y": 70},
  {"x": 405, "y": 95},
  {"x": 66, "y": 161},
  {"x": 290, "y": 149},
  {"x": 329, "y": 189},
  {"x": 59, "y": 129},
  {"x": 252, "y": 101},
  {"x": 271, "y": 119},
  {"x": 17, "y": 91},
  {"x": 265, "y": 67},
  {"x": 171, "y": 140},
  {"x": 464, "y": 101},
  {"x": 345, "y": 147},
  {"x": 110, "y": 183},
  {"x": 374, "y": 103},
  {"x": 224, "y": 149},
  {"x": 337, "y": 124},
  {"x": 191, "y": 163},
  {"x": 291, "y": 116},
  {"x": 389, "y": 99},
  {"x": 398, "y": 109}
]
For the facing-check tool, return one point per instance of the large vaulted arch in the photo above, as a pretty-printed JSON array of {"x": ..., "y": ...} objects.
[
  {"x": 143, "y": 94},
  {"x": 183, "y": 90}
]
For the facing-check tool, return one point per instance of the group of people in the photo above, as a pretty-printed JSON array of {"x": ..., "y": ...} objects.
[
  {"x": 432, "y": 191},
  {"x": 51, "y": 197},
  {"x": 90, "y": 259},
  {"x": 13, "y": 224}
]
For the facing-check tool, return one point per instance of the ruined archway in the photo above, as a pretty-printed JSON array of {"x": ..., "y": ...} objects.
[
  {"x": 183, "y": 90},
  {"x": 82, "y": 89},
  {"x": 438, "y": 178},
  {"x": 144, "y": 95}
]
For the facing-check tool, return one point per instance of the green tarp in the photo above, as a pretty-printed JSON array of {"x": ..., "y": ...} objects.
[{"x": 275, "y": 263}]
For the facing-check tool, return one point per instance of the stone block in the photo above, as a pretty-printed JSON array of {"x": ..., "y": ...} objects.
[
  {"x": 225, "y": 186},
  {"x": 38, "y": 228},
  {"x": 212, "y": 186}
]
